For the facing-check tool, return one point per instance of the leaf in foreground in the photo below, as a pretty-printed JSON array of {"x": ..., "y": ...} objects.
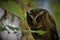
[
  {"x": 12, "y": 7},
  {"x": 2, "y": 28},
  {"x": 40, "y": 32}
]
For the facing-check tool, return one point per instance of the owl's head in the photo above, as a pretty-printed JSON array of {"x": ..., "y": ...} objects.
[
  {"x": 36, "y": 16},
  {"x": 36, "y": 13}
]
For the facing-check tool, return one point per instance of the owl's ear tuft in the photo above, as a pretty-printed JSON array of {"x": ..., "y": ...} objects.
[{"x": 28, "y": 13}]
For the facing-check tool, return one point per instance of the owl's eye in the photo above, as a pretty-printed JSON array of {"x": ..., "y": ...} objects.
[
  {"x": 39, "y": 18},
  {"x": 30, "y": 14}
]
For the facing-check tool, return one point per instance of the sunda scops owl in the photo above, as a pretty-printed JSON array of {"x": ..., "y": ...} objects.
[{"x": 40, "y": 19}]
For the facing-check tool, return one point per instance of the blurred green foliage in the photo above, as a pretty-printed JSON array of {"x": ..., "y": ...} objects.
[
  {"x": 56, "y": 9},
  {"x": 12, "y": 7},
  {"x": 15, "y": 9}
]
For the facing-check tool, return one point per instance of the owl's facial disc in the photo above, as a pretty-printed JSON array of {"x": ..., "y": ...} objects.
[{"x": 36, "y": 14}]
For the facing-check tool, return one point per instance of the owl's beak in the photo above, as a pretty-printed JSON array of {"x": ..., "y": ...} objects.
[{"x": 34, "y": 21}]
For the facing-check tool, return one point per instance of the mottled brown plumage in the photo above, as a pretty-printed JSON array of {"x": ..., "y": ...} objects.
[{"x": 39, "y": 19}]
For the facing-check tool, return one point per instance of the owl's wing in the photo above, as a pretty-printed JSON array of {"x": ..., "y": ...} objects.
[{"x": 53, "y": 31}]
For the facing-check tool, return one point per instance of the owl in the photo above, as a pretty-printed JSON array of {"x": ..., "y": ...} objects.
[{"x": 40, "y": 19}]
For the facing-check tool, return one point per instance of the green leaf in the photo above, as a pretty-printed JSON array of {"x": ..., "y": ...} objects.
[
  {"x": 2, "y": 28},
  {"x": 17, "y": 28},
  {"x": 41, "y": 32},
  {"x": 12, "y": 28},
  {"x": 12, "y": 7}
]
